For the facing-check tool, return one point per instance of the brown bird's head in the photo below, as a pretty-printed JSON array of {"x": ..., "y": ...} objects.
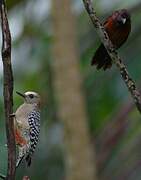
[{"x": 121, "y": 17}]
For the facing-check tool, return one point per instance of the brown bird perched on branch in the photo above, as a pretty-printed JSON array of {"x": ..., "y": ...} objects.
[{"x": 118, "y": 27}]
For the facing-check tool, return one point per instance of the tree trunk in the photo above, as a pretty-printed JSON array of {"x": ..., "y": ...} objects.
[{"x": 68, "y": 91}]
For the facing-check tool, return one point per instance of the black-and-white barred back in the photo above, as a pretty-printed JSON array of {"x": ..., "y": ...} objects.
[{"x": 34, "y": 123}]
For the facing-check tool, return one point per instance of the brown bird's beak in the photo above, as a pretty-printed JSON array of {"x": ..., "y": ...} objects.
[
  {"x": 124, "y": 20},
  {"x": 22, "y": 95}
]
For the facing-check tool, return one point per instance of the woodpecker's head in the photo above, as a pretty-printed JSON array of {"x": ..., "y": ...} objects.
[{"x": 30, "y": 97}]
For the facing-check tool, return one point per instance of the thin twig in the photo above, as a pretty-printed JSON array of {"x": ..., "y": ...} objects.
[
  {"x": 2, "y": 176},
  {"x": 113, "y": 54},
  {"x": 8, "y": 90},
  {"x": 26, "y": 178}
]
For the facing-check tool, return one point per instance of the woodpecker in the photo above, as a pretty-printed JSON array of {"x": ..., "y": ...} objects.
[{"x": 27, "y": 126}]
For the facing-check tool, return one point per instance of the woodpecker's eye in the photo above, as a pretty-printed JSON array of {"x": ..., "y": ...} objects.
[{"x": 31, "y": 96}]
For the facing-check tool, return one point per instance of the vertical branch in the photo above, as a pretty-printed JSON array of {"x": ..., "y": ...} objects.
[
  {"x": 113, "y": 54},
  {"x": 8, "y": 90}
]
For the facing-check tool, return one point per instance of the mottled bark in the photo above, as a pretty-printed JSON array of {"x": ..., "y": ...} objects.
[{"x": 68, "y": 86}]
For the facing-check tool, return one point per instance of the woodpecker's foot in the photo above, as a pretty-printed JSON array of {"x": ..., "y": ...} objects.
[{"x": 12, "y": 115}]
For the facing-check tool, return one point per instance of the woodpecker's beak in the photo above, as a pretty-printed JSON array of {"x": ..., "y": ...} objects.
[{"x": 22, "y": 95}]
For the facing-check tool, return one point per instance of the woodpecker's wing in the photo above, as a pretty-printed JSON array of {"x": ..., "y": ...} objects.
[{"x": 34, "y": 123}]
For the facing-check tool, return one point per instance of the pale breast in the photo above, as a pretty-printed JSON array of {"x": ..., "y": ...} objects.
[{"x": 21, "y": 115}]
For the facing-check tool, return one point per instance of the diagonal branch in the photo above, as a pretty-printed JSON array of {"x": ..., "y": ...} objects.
[
  {"x": 8, "y": 90},
  {"x": 113, "y": 54}
]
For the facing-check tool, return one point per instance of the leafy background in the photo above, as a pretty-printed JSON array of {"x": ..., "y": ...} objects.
[{"x": 113, "y": 120}]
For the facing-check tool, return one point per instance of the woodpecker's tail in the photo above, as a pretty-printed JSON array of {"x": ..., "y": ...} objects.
[
  {"x": 19, "y": 160},
  {"x": 23, "y": 153},
  {"x": 28, "y": 160},
  {"x": 101, "y": 58}
]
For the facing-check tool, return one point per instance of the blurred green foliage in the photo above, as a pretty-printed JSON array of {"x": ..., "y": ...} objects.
[{"x": 104, "y": 92}]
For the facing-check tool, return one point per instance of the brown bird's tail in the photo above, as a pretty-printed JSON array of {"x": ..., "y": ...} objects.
[{"x": 101, "y": 58}]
